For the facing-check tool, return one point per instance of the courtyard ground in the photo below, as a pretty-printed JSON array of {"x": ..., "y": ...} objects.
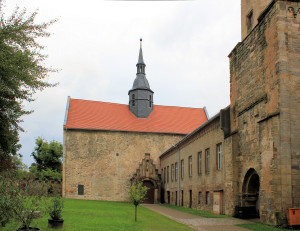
[{"x": 199, "y": 223}]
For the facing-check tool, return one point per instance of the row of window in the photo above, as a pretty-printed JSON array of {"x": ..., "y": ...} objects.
[
  {"x": 133, "y": 100},
  {"x": 206, "y": 198},
  {"x": 174, "y": 167},
  {"x": 200, "y": 199}
]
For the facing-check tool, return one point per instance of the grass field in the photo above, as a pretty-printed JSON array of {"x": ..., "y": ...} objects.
[{"x": 102, "y": 215}]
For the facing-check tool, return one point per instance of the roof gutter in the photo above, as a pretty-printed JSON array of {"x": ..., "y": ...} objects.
[
  {"x": 206, "y": 112},
  {"x": 67, "y": 111}
]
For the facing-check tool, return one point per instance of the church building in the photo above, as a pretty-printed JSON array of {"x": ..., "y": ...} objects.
[{"x": 107, "y": 145}]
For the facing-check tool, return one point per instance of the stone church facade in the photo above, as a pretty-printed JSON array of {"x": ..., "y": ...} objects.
[{"x": 244, "y": 161}]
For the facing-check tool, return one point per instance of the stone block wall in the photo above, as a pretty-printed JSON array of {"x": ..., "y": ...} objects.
[
  {"x": 264, "y": 94},
  {"x": 288, "y": 69},
  {"x": 254, "y": 6},
  {"x": 103, "y": 162},
  {"x": 199, "y": 182}
]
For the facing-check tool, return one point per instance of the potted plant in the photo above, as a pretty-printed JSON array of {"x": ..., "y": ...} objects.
[{"x": 55, "y": 210}]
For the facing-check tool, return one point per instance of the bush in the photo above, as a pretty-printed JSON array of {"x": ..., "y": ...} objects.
[
  {"x": 55, "y": 208},
  {"x": 21, "y": 198},
  {"x": 7, "y": 196}
]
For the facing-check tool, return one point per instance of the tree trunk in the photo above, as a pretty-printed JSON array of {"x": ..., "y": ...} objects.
[{"x": 135, "y": 213}]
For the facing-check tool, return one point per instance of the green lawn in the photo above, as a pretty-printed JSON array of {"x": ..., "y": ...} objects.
[
  {"x": 102, "y": 215},
  {"x": 195, "y": 211}
]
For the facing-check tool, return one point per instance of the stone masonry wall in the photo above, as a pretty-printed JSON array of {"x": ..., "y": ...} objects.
[
  {"x": 288, "y": 69},
  {"x": 256, "y": 6},
  {"x": 105, "y": 161},
  {"x": 264, "y": 78},
  {"x": 203, "y": 182}
]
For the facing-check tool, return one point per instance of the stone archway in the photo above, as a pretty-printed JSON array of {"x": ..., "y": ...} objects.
[
  {"x": 250, "y": 197},
  {"x": 148, "y": 174}
]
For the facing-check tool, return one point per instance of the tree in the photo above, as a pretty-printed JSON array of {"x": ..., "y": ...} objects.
[
  {"x": 22, "y": 73},
  {"x": 137, "y": 193},
  {"x": 48, "y": 155}
]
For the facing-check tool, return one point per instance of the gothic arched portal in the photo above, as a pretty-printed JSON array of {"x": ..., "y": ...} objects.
[
  {"x": 148, "y": 174},
  {"x": 250, "y": 197}
]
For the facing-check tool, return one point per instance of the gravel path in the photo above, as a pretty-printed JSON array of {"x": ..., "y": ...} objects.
[{"x": 199, "y": 223}]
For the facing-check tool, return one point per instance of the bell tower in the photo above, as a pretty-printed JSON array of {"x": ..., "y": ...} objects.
[{"x": 141, "y": 96}]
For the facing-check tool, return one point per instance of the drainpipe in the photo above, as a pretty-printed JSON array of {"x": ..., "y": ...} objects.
[
  {"x": 178, "y": 175},
  {"x": 65, "y": 161}
]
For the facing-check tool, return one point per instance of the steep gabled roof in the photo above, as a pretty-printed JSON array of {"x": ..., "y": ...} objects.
[{"x": 96, "y": 115}]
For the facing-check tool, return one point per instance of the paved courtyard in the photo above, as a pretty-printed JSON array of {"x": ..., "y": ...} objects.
[{"x": 199, "y": 223}]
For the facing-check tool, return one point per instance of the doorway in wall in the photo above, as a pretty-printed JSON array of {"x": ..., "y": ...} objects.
[
  {"x": 250, "y": 197},
  {"x": 149, "y": 198}
]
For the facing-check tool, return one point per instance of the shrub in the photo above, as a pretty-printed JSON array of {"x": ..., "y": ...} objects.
[{"x": 55, "y": 208}]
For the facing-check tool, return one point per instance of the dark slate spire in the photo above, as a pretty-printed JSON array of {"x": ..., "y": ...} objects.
[
  {"x": 140, "y": 65},
  {"x": 141, "y": 96},
  {"x": 141, "y": 60}
]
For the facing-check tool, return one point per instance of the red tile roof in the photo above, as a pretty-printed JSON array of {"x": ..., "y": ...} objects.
[{"x": 85, "y": 114}]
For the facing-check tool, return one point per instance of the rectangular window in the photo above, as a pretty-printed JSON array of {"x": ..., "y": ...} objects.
[
  {"x": 207, "y": 161},
  {"x": 207, "y": 198},
  {"x": 168, "y": 174},
  {"x": 176, "y": 171},
  {"x": 199, "y": 163},
  {"x": 133, "y": 100},
  {"x": 80, "y": 189},
  {"x": 249, "y": 20},
  {"x": 182, "y": 168},
  {"x": 164, "y": 175},
  {"x": 150, "y": 101},
  {"x": 190, "y": 165},
  {"x": 200, "y": 198},
  {"x": 219, "y": 156},
  {"x": 172, "y": 172}
]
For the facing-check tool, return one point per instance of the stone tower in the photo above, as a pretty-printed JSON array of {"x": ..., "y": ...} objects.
[
  {"x": 141, "y": 96},
  {"x": 250, "y": 11}
]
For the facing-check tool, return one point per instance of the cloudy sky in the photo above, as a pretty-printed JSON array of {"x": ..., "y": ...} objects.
[{"x": 95, "y": 45}]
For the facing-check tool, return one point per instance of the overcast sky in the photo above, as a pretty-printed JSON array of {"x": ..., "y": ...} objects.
[{"x": 95, "y": 44}]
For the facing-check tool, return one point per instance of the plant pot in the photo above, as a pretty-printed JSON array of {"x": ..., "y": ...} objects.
[
  {"x": 55, "y": 224},
  {"x": 30, "y": 228}
]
